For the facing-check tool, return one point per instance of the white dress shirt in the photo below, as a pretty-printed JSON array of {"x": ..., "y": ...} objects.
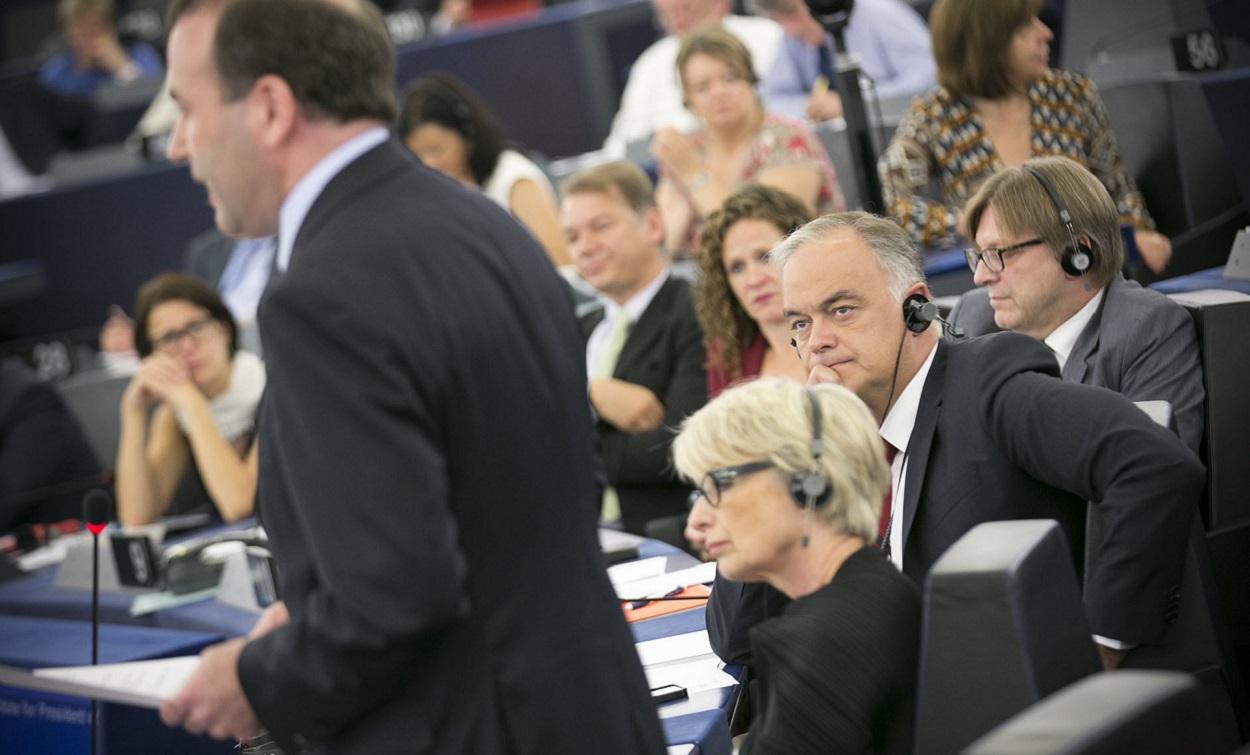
[
  {"x": 889, "y": 38},
  {"x": 896, "y": 430},
  {"x": 1063, "y": 338},
  {"x": 245, "y": 276}
]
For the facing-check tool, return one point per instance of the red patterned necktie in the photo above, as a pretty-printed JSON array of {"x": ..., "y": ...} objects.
[{"x": 883, "y": 525}]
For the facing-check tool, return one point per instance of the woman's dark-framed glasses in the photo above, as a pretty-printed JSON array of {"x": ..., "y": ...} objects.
[
  {"x": 194, "y": 330},
  {"x": 992, "y": 257},
  {"x": 717, "y": 481}
]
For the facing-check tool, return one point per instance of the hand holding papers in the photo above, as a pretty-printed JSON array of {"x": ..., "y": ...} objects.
[
  {"x": 146, "y": 684},
  {"x": 212, "y": 701}
]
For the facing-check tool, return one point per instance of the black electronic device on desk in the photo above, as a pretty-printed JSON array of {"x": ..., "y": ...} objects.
[{"x": 181, "y": 568}]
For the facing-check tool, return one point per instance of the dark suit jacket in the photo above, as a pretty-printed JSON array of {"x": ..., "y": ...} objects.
[
  {"x": 424, "y": 466},
  {"x": 998, "y": 437},
  {"x": 663, "y": 353},
  {"x": 208, "y": 254},
  {"x": 1139, "y": 343},
  {"x": 837, "y": 672}
]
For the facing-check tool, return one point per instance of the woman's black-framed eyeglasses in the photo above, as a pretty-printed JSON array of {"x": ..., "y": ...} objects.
[{"x": 717, "y": 481}]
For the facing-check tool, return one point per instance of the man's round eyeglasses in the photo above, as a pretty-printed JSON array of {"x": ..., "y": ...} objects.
[
  {"x": 717, "y": 481},
  {"x": 992, "y": 257}
]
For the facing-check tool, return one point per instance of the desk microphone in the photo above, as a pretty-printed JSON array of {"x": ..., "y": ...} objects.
[{"x": 95, "y": 515}]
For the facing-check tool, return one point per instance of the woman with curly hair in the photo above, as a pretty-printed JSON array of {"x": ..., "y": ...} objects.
[{"x": 738, "y": 296}]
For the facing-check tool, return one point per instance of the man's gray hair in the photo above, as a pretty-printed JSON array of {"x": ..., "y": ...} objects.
[{"x": 889, "y": 242}]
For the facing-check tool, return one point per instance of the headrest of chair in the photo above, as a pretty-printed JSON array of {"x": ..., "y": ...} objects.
[{"x": 1142, "y": 712}]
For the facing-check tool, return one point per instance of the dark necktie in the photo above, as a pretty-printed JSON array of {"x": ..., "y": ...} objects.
[
  {"x": 825, "y": 65},
  {"x": 883, "y": 524}
]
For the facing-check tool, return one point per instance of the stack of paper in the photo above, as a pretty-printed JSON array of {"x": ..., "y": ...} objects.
[
  {"x": 146, "y": 684},
  {"x": 685, "y": 660}
]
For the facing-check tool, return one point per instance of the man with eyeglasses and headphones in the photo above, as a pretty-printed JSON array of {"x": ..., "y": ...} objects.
[
  {"x": 1047, "y": 259},
  {"x": 978, "y": 430}
]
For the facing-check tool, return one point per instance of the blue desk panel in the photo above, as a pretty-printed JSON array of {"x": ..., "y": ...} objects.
[
  {"x": 1211, "y": 278},
  {"x": 43, "y": 626},
  {"x": 37, "y": 723},
  {"x": 36, "y": 595}
]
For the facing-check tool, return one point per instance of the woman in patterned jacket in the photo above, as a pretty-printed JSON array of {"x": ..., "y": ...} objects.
[{"x": 999, "y": 103}]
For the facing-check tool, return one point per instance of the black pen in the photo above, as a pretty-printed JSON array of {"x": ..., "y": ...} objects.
[{"x": 645, "y": 601}]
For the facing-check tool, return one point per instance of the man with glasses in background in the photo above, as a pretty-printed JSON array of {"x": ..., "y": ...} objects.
[
  {"x": 1064, "y": 288},
  {"x": 1047, "y": 258}
]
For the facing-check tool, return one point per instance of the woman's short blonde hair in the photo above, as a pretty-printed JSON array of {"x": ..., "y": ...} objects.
[
  {"x": 972, "y": 43},
  {"x": 717, "y": 43},
  {"x": 770, "y": 419}
]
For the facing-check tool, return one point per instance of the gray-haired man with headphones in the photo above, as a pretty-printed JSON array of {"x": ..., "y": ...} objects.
[{"x": 984, "y": 430}]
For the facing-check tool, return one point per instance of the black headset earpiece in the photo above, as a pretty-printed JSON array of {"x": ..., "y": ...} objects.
[
  {"x": 810, "y": 488},
  {"x": 1078, "y": 257},
  {"x": 919, "y": 312}
]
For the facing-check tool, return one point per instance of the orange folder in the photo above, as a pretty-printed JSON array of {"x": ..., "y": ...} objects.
[{"x": 696, "y": 598}]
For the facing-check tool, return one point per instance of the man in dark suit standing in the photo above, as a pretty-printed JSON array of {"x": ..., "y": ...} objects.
[
  {"x": 425, "y": 453},
  {"x": 644, "y": 348},
  {"x": 1104, "y": 330},
  {"x": 983, "y": 430}
]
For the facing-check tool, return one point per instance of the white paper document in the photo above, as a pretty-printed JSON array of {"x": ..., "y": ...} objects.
[
  {"x": 676, "y": 648},
  {"x": 633, "y": 571},
  {"x": 696, "y": 676},
  {"x": 664, "y": 583},
  {"x": 146, "y": 684},
  {"x": 1209, "y": 297}
]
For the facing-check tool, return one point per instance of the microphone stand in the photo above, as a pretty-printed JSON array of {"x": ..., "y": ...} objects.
[
  {"x": 95, "y": 616},
  {"x": 95, "y": 514},
  {"x": 854, "y": 112}
]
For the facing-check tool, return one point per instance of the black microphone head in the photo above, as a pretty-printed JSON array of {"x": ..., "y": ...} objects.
[
  {"x": 927, "y": 312},
  {"x": 97, "y": 507},
  {"x": 830, "y": 7}
]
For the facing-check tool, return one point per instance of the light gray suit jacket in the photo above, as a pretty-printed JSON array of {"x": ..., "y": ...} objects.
[{"x": 1139, "y": 343}]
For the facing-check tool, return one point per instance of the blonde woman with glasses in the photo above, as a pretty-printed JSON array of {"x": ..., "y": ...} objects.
[{"x": 791, "y": 481}]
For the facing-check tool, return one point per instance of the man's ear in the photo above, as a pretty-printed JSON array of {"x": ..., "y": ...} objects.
[
  {"x": 918, "y": 288},
  {"x": 655, "y": 225},
  {"x": 273, "y": 111}
]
